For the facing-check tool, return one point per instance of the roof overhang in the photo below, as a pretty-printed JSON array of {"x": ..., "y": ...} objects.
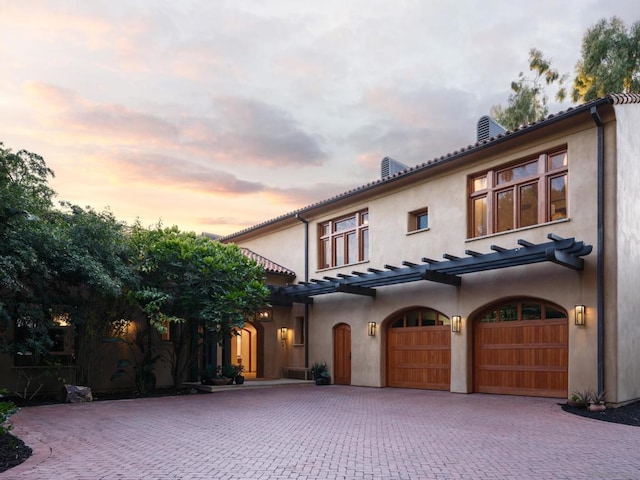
[{"x": 566, "y": 252}]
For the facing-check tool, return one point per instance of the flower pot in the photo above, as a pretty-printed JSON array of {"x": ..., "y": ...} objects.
[
  {"x": 577, "y": 404},
  {"x": 221, "y": 381},
  {"x": 597, "y": 407},
  {"x": 239, "y": 379}
]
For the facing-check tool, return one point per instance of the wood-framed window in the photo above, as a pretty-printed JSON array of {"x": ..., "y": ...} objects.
[
  {"x": 344, "y": 240},
  {"x": 418, "y": 220},
  {"x": 519, "y": 195}
]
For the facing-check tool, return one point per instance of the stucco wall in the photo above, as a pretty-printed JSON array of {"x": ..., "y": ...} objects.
[
  {"x": 628, "y": 255},
  {"x": 445, "y": 195}
]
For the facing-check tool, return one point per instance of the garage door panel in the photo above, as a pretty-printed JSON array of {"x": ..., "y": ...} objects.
[
  {"x": 521, "y": 357},
  {"x": 419, "y": 357}
]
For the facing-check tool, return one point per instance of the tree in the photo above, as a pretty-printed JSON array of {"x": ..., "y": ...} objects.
[
  {"x": 528, "y": 100},
  {"x": 68, "y": 261},
  {"x": 195, "y": 284},
  {"x": 610, "y": 61}
]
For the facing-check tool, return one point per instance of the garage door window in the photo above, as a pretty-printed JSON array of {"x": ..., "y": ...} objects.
[
  {"x": 519, "y": 311},
  {"x": 420, "y": 317}
]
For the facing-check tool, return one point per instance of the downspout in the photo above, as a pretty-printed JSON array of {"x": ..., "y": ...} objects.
[
  {"x": 306, "y": 279},
  {"x": 600, "y": 241}
]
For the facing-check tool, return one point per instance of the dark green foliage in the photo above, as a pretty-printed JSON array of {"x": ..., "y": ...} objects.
[
  {"x": 93, "y": 270},
  {"x": 610, "y": 60},
  {"x": 201, "y": 286}
]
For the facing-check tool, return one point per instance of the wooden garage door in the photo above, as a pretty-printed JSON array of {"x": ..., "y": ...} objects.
[
  {"x": 521, "y": 348},
  {"x": 419, "y": 350}
]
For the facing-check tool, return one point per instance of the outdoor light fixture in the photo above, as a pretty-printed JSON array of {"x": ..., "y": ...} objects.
[
  {"x": 580, "y": 316},
  {"x": 283, "y": 336},
  {"x": 264, "y": 315},
  {"x": 456, "y": 323},
  {"x": 371, "y": 329}
]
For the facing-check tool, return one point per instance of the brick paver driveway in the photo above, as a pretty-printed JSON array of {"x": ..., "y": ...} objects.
[{"x": 332, "y": 432}]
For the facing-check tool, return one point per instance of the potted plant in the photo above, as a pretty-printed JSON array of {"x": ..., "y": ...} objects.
[
  {"x": 579, "y": 399},
  {"x": 596, "y": 401},
  {"x": 239, "y": 377},
  {"x": 208, "y": 374},
  {"x": 320, "y": 373},
  {"x": 229, "y": 372}
]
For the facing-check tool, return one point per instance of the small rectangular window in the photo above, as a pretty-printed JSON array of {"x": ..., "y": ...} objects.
[{"x": 418, "y": 220}]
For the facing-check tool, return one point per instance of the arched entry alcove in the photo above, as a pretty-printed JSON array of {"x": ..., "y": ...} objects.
[
  {"x": 246, "y": 349},
  {"x": 521, "y": 347},
  {"x": 418, "y": 349}
]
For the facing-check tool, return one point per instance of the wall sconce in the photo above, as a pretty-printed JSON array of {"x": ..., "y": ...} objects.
[
  {"x": 456, "y": 323},
  {"x": 580, "y": 315},
  {"x": 283, "y": 336},
  {"x": 265, "y": 315},
  {"x": 371, "y": 329}
]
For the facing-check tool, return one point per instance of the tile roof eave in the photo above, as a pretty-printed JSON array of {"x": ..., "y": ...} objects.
[{"x": 615, "y": 99}]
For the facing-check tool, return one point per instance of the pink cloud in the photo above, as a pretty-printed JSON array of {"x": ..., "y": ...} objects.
[{"x": 90, "y": 122}]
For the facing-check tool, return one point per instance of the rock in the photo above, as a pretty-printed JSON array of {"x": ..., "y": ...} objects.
[{"x": 76, "y": 394}]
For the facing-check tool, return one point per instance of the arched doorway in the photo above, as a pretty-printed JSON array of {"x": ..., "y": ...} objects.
[
  {"x": 342, "y": 354},
  {"x": 419, "y": 349},
  {"x": 246, "y": 350},
  {"x": 521, "y": 347}
]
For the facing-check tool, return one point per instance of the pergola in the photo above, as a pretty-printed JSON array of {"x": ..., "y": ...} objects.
[{"x": 566, "y": 252}]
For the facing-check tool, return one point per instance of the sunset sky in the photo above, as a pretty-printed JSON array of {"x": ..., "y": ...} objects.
[{"x": 218, "y": 115}]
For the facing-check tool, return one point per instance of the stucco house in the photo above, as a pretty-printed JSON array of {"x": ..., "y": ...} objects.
[{"x": 508, "y": 266}]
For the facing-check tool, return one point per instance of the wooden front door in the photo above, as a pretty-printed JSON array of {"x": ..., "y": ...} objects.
[
  {"x": 521, "y": 348},
  {"x": 342, "y": 354}
]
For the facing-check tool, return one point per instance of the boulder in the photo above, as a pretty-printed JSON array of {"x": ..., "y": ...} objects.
[{"x": 77, "y": 394}]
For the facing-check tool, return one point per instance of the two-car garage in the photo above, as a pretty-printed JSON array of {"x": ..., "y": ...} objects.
[{"x": 520, "y": 347}]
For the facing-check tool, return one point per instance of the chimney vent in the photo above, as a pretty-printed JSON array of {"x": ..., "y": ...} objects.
[
  {"x": 488, "y": 127},
  {"x": 389, "y": 167}
]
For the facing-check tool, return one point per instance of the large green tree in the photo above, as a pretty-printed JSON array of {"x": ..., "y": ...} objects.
[
  {"x": 195, "y": 287},
  {"x": 55, "y": 261},
  {"x": 528, "y": 99},
  {"x": 610, "y": 60}
]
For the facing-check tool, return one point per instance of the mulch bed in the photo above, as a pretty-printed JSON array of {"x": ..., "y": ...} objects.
[
  {"x": 13, "y": 451},
  {"x": 627, "y": 414}
]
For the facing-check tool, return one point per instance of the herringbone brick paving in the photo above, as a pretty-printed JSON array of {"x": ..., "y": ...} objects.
[{"x": 305, "y": 432}]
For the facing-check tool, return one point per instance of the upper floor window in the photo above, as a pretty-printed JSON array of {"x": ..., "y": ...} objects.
[
  {"x": 521, "y": 195},
  {"x": 418, "y": 220},
  {"x": 344, "y": 240}
]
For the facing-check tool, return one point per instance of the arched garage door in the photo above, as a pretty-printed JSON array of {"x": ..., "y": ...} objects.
[
  {"x": 419, "y": 350},
  {"x": 521, "y": 348}
]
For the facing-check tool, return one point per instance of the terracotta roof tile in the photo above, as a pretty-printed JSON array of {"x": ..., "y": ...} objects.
[{"x": 269, "y": 266}]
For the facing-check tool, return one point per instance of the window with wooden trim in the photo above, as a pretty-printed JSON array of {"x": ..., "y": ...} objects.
[
  {"x": 418, "y": 220},
  {"x": 344, "y": 240},
  {"x": 516, "y": 196}
]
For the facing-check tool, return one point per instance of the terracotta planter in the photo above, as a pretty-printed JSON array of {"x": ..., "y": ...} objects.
[{"x": 597, "y": 407}]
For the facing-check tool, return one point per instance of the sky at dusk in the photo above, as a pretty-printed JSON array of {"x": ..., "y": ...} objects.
[{"x": 218, "y": 115}]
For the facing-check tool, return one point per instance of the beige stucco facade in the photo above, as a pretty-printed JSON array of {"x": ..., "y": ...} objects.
[{"x": 442, "y": 187}]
